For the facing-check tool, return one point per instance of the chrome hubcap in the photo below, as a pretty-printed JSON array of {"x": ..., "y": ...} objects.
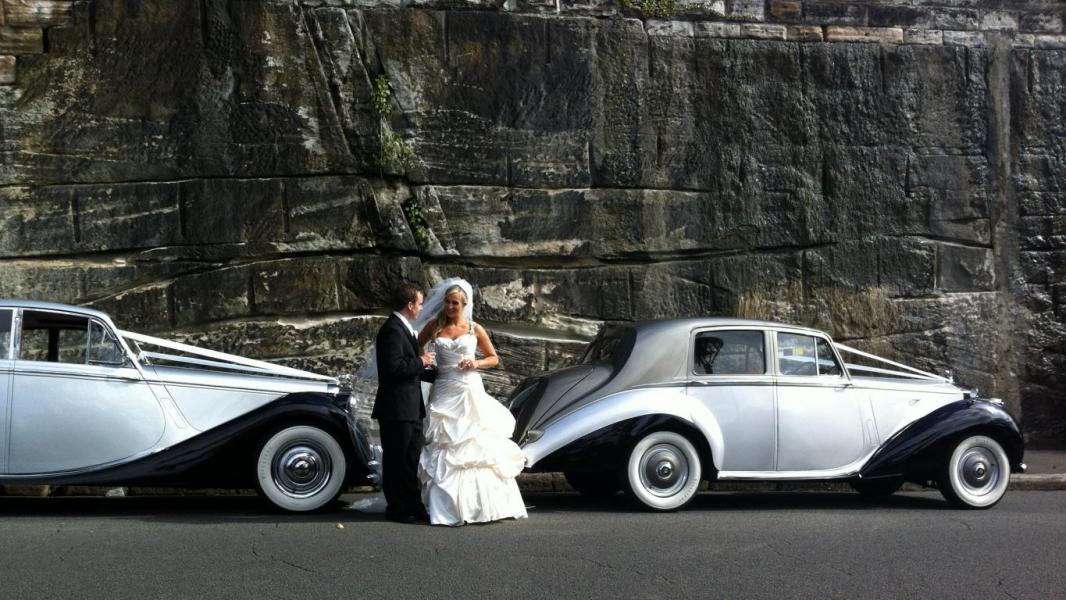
[
  {"x": 978, "y": 470},
  {"x": 663, "y": 470},
  {"x": 302, "y": 470}
]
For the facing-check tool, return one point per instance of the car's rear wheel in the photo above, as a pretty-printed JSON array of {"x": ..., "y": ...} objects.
[
  {"x": 976, "y": 474},
  {"x": 300, "y": 469},
  {"x": 663, "y": 471},
  {"x": 877, "y": 488},
  {"x": 594, "y": 484}
]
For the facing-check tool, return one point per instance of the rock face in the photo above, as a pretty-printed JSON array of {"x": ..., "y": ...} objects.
[{"x": 255, "y": 176}]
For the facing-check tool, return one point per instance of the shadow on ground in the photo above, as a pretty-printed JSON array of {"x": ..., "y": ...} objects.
[{"x": 244, "y": 509}]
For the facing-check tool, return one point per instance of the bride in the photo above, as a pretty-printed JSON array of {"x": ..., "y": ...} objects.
[{"x": 469, "y": 463}]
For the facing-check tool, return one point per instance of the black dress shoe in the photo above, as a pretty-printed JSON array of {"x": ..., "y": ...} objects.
[
  {"x": 422, "y": 517},
  {"x": 400, "y": 518}
]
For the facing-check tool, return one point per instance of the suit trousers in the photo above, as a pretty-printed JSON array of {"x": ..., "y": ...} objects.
[{"x": 401, "y": 446}]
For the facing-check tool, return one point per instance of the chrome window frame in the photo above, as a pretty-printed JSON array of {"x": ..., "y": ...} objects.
[
  {"x": 707, "y": 378},
  {"x": 816, "y": 379},
  {"x": 11, "y": 337},
  {"x": 16, "y": 345}
]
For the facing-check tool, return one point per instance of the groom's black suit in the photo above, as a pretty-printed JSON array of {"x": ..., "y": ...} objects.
[{"x": 399, "y": 410}]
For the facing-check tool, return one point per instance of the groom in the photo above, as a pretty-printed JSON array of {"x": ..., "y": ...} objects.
[{"x": 399, "y": 408}]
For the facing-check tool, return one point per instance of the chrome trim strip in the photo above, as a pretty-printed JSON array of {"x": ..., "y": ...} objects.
[
  {"x": 849, "y": 470},
  {"x": 74, "y": 374}
]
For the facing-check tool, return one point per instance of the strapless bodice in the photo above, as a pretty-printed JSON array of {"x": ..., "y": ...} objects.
[{"x": 451, "y": 351}]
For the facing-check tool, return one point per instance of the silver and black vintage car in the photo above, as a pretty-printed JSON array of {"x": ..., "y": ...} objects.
[
  {"x": 655, "y": 408},
  {"x": 84, "y": 403}
]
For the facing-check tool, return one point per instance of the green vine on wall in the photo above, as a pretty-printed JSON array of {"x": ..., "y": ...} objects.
[
  {"x": 659, "y": 9},
  {"x": 393, "y": 148},
  {"x": 413, "y": 211}
]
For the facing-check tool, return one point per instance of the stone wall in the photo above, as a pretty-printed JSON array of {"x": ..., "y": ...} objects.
[{"x": 215, "y": 171}]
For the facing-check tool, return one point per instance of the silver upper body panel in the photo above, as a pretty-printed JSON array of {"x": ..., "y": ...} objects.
[
  {"x": 769, "y": 424},
  {"x": 66, "y": 416}
]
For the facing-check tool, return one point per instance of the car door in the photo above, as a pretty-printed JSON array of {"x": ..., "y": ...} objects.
[
  {"x": 729, "y": 375},
  {"x": 6, "y": 325},
  {"x": 820, "y": 415},
  {"x": 76, "y": 399}
]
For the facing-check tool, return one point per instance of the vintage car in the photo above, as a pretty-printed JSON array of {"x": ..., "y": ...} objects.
[
  {"x": 655, "y": 408},
  {"x": 84, "y": 403}
]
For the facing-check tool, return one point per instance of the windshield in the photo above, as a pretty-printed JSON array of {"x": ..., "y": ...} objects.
[{"x": 607, "y": 344}]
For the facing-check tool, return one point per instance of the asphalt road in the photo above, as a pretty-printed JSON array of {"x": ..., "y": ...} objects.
[{"x": 779, "y": 545}]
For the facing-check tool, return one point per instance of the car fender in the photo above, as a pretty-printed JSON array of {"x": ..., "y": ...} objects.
[
  {"x": 622, "y": 406},
  {"x": 919, "y": 449}
]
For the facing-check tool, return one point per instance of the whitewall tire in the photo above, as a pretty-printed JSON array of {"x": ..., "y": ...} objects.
[
  {"x": 663, "y": 471},
  {"x": 977, "y": 473},
  {"x": 301, "y": 469}
]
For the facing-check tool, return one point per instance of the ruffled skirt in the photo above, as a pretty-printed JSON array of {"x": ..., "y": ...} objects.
[{"x": 469, "y": 463}]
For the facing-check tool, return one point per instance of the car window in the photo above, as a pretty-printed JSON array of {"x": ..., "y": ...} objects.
[
  {"x": 5, "y": 334},
  {"x": 53, "y": 337},
  {"x": 796, "y": 354},
  {"x": 827, "y": 360},
  {"x": 729, "y": 353},
  {"x": 103, "y": 348}
]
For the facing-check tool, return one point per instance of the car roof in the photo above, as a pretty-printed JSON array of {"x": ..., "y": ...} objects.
[
  {"x": 689, "y": 324},
  {"x": 37, "y": 304}
]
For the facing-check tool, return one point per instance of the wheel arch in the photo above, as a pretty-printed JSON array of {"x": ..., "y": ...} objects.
[
  {"x": 608, "y": 428},
  {"x": 920, "y": 449}
]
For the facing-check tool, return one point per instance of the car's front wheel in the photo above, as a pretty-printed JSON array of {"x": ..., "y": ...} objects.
[
  {"x": 663, "y": 471},
  {"x": 300, "y": 468},
  {"x": 594, "y": 484},
  {"x": 976, "y": 474}
]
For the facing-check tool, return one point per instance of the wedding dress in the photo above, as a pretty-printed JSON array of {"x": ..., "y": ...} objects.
[{"x": 469, "y": 463}]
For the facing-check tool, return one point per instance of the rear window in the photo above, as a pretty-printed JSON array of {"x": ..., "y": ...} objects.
[{"x": 729, "y": 353}]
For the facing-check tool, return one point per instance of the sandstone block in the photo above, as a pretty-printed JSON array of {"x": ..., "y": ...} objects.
[
  {"x": 21, "y": 40},
  {"x": 212, "y": 296},
  {"x": 805, "y": 33},
  {"x": 747, "y": 9},
  {"x": 41, "y": 280},
  {"x": 669, "y": 28},
  {"x": 967, "y": 19},
  {"x": 900, "y": 16},
  {"x": 913, "y": 35},
  {"x": 144, "y": 309},
  {"x": 1047, "y": 22},
  {"x": 329, "y": 212},
  {"x": 218, "y": 211},
  {"x": 884, "y": 35},
  {"x": 36, "y": 221},
  {"x": 7, "y": 70},
  {"x": 717, "y": 30},
  {"x": 786, "y": 10},
  {"x": 844, "y": 13},
  {"x": 365, "y": 282},
  {"x": 128, "y": 216},
  {"x": 764, "y": 32},
  {"x": 1049, "y": 41},
  {"x": 27, "y": 490},
  {"x": 996, "y": 20},
  {"x": 907, "y": 266},
  {"x": 294, "y": 286},
  {"x": 964, "y": 268},
  {"x": 38, "y": 13}
]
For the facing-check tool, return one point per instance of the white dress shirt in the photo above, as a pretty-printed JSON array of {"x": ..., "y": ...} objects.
[{"x": 407, "y": 324}]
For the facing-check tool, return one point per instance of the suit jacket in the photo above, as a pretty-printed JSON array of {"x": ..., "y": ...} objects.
[{"x": 399, "y": 396}]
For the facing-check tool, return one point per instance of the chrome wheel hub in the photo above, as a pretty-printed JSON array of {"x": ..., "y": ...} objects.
[
  {"x": 663, "y": 470},
  {"x": 978, "y": 470},
  {"x": 302, "y": 470}
]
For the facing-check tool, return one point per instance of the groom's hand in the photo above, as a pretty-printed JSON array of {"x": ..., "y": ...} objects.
[{"x": 427, "y": 359}]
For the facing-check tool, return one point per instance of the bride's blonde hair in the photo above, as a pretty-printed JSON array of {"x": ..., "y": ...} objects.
[{"x": 442, "y": 319}]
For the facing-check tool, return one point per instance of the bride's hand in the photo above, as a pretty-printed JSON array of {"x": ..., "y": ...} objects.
[{"x": 468, "y": 364}]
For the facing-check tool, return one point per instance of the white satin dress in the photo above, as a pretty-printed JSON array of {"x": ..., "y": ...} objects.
[{"x": 469, "y": 463}]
